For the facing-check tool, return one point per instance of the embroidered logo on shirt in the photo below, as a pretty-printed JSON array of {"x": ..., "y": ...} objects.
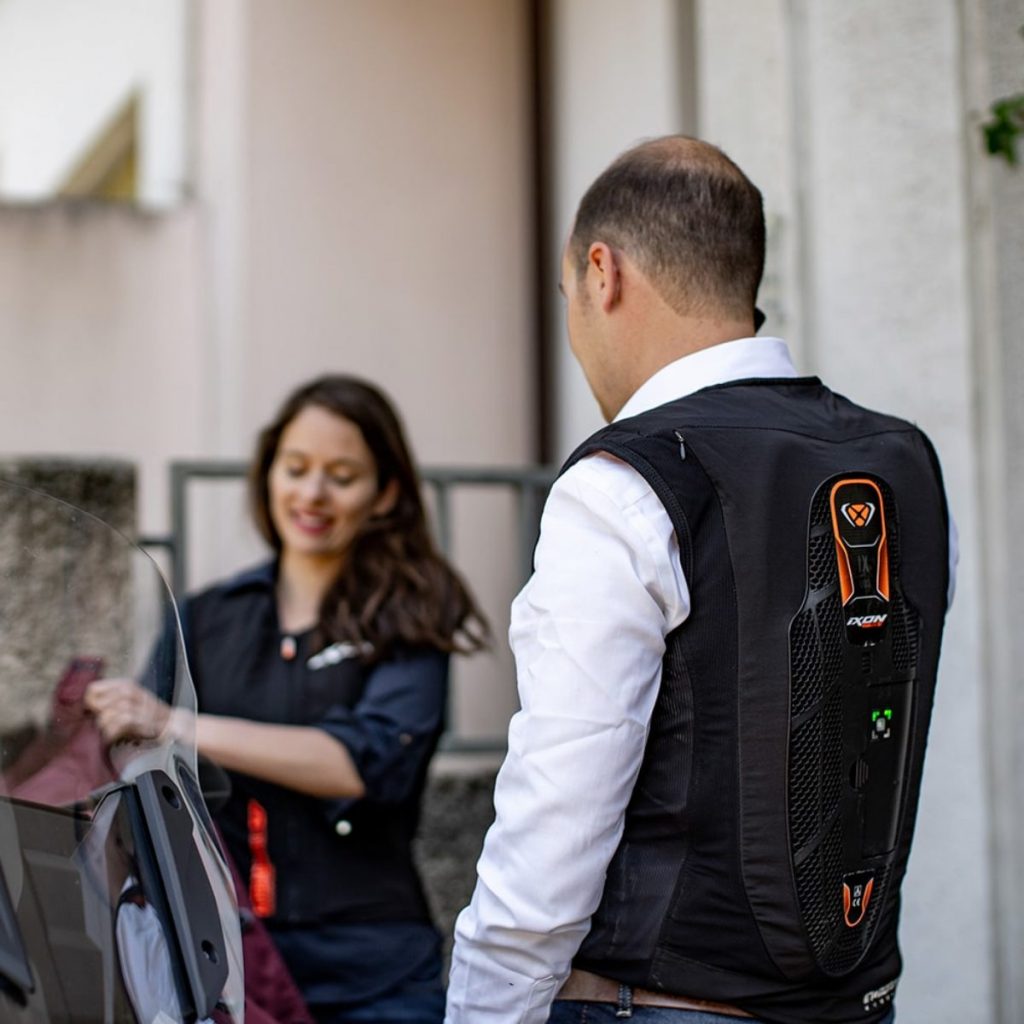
[{"x": 337, "y": 653}]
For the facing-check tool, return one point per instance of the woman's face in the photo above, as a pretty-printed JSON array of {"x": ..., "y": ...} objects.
[{"x": 323, "y": 485}]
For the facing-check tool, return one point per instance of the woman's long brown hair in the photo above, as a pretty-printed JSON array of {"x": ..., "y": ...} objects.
[{"x": 395, "y": 591}]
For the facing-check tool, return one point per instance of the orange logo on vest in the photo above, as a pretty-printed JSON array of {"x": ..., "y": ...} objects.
[{"x": 859, "y": 513}]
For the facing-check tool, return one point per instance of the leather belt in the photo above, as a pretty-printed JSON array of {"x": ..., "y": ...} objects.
[{"x": 584, "y": 987}]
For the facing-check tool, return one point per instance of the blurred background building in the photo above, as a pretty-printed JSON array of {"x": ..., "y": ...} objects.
[{"x": 205, "y": 202}]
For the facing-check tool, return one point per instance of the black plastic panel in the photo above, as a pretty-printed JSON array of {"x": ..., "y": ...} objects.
[
  {"x": 190, "y": 899},
  {"x": 851, "y": 708},
  {"x": 15, "y": 971}
]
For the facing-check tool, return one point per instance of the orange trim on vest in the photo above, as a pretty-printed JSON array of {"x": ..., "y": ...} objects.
[
  {"x": 859, "y": 516},
  {"x": 864, "y": 901}
]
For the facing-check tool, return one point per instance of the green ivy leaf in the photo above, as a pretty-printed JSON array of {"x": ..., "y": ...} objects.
[{"x": 1006, "y": 126}]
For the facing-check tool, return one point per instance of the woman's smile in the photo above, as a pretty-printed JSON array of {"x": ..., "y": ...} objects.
[{"x": 316, "y": 524}]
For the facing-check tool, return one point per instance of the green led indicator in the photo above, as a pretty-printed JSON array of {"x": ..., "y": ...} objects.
[
  {"x": 888, "y": 712},
  {"x": 875, "y": 715}
]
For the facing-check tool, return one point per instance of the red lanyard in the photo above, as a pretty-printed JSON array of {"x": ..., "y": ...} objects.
[{"x": 262, "y": 888}]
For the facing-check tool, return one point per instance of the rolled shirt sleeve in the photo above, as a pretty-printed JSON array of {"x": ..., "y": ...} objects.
[
  {"x": 588, "y": 633},
  {"x": 393, "y": 728}
]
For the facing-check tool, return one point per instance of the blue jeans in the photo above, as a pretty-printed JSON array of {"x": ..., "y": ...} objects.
[
  {"x": 418, "y": 1000},
  {"x": 568, "y": 1011}
]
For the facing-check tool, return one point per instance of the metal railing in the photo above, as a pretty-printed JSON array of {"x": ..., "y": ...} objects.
[{"x": 529, "y": 484}]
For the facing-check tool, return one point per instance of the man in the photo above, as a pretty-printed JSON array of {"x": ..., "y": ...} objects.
[{"x": 726, "y": 654}]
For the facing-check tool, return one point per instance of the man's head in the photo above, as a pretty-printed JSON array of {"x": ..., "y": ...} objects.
[{"x": 665, "y": 257}]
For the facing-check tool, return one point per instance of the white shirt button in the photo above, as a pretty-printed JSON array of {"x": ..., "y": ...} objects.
[{"x": 343, "y": 827}]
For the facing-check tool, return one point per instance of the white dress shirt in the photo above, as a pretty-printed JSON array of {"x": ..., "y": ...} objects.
[{"x": 588, "y": 634}]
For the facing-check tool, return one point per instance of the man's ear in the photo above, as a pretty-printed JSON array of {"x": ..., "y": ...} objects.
[{"x": 604, "y": 275}]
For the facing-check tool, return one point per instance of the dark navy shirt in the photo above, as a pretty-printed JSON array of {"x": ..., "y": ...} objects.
[{"x": 343, "y": 868}]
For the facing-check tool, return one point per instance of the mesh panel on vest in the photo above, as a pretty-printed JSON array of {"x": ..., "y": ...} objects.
[{"x": 824, "y": 777}]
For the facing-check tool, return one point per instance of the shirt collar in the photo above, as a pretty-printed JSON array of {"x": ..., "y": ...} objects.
[
  {"x": 260, "y": 577},
  {"x": 743, "y": 359}
]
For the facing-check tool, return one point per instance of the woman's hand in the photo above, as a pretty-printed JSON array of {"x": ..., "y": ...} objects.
[
  {"x": 303, "y": 758},
  {"x": 125, "y": 711}
]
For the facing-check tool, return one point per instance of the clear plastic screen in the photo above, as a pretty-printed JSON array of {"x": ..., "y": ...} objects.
[{"x": 91, "y": 920}]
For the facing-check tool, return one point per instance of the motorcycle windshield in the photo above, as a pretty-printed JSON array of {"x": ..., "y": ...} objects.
[{"x": 115, "y": 901}]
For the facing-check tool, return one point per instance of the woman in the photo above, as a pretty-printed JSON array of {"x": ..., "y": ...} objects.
[{"x": 322, "y": 683}]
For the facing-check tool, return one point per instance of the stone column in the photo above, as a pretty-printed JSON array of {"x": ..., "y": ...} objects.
[{"x": 67, "y": 582}]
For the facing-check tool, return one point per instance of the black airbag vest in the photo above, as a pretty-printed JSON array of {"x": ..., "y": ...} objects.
[{"x": 768, "y": 832}]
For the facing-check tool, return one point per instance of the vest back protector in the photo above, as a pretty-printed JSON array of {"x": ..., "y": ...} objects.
[{"x": 768, "y": 832}]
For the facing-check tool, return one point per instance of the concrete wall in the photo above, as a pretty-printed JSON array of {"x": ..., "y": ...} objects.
[
  {"x": 745, "y": 96},
  {"x": 604, "y": 99},
  {"x": 66, "y": 69},
  {"x": 396, "y": 235},
  {"x": 994, "y": 67},
  {"x": 102, "y": 336},
  {"x": 70, "y": 589}
]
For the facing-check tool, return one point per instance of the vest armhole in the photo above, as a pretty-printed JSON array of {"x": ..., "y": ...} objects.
[{"x": 664, "y": 493}]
